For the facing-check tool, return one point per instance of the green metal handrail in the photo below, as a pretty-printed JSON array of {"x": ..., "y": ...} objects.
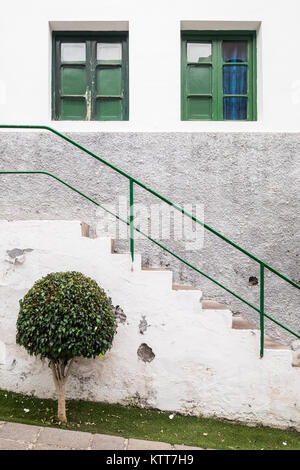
[{"x": 133, "y": 228}]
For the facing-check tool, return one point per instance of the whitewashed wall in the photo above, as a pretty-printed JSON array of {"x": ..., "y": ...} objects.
[
  {"x": 154, "y": 32},
  {"x": 168, "y": 353}
]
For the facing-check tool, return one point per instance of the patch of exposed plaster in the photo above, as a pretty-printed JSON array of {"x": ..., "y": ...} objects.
[
  {"x": 143, "y": 325},
  {"x": 17, "y": 255},
  {"x": 24, "y": 375},
  {"x": 119, "y": 314},
  {"x": 145, "y": 353},
  {"x": 137, "y": 400},
  {"x": 253, "y": 281}
]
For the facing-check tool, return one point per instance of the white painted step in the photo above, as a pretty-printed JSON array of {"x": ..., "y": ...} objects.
[{"x": 62, "y": 236}]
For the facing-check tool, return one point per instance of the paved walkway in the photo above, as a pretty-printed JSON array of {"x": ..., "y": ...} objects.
[{"x": 15, "y": 436}]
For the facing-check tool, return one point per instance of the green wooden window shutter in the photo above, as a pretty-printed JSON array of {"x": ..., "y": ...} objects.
[
  {"x": 218, "y": 76},
  {"x": 90, "y": 76}
]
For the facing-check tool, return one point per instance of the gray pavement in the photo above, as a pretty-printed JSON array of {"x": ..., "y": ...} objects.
[{"x": 15, "y": 436}]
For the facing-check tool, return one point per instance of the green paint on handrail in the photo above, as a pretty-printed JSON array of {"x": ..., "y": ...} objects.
[
  {"x": 131, "y": 219},
  {"x": 132, "y": 181},
  {"x": 142, "y": 185},
  {"x": 132, "y": 227},
  {"x": 262, "y": 308}
]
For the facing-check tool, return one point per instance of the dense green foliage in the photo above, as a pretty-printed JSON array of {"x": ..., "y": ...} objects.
[{"x": 65, "y": 315}]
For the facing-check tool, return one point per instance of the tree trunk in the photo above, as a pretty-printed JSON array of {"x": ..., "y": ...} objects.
[
  {"x": 60, "y": 377},
  {"x": 61, "y": 413}
]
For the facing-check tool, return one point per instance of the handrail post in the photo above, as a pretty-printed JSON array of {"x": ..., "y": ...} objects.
[
  {"x": 131, "y": 209},
  {"x": 262, "y": 308}
]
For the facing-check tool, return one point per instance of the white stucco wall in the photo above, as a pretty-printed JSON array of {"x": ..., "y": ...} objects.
[
  {"x": 200, "y": 365},
  {"x": 154, "y": 59}
]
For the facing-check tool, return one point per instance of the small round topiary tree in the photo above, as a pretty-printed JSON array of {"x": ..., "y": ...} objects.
[{"x": 63, "y": 316}]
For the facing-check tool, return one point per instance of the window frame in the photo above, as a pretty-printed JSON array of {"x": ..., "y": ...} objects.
[
  {"x": 217, "y": 95},
  {"x": 90, "y": 38}
]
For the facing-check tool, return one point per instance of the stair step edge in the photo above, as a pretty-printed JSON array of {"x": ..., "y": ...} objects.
[
  {"x": 296, "y": 359},
  {"x": 156, "y": 269},
  {"x": 182, "y": 287},
  {"x": 240, "y": 323},
  {"x": 213, "y": 305},
  {"x": 271, "y": 343}
]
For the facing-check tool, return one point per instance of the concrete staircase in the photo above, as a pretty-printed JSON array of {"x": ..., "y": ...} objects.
[
  {"x": 240, "y": 323},
  {"x": 172, "y": 351}
]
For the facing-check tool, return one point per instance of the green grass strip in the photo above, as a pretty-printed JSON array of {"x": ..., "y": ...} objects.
[{"x": 141, "y": 423}]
